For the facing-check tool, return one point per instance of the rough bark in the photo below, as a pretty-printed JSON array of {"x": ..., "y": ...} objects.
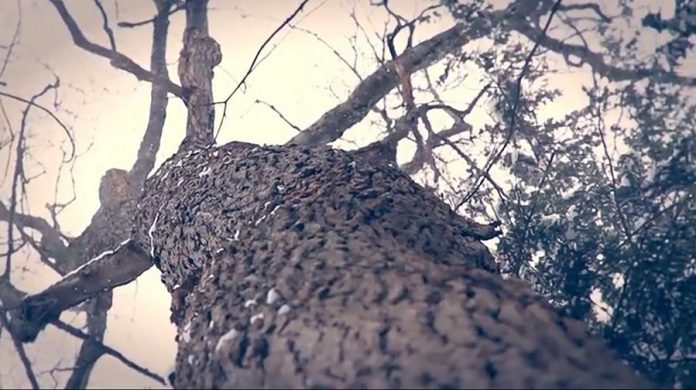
[
  {"x": 198, "y": 57},
  {"x": 302, "y": 267}
]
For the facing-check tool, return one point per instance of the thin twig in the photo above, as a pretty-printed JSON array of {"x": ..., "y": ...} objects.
[
  {"x": 51, "y": 114},
  {"x": 280, "y": 114},
  {"x": 107, "y": 29},
  {"x": 21, "y": 353},
  {"x": 253, "y": 63},
  {"x": 108, "y": 350},
  {"x": 18, "y": 171},
  {"x": 13, "y": 42},
  {"x": 177, "y": 7}
]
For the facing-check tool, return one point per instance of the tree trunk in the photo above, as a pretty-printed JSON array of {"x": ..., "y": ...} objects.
[{"x": 300, "y": 267}]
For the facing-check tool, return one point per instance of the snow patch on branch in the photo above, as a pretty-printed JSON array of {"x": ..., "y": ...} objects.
[
  {"x": 152, "y": 238},
  {"x": 109, "y": 252}
]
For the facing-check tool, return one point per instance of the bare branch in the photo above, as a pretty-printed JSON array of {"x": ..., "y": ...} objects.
[
  {"x": 149, "y": 145},
  {"x": 178, "y": 6},
  {"x": 333, "y": 50},
  {"x": 26, "y": 363},
  {"x": 51, "y": 114},
  {"x": 105, "y": 25},
  {"x": 118, "y": 60},
  {"x": 19, "y": 171},
  {"x": 472, "y": 163},
  {"x": 336, "y": 121},
  {"x": 50, "y": 237},
  {"x": 111, "y": 269},
  {"x": 253, "y": 62},
  {"x": 107, "y": 350},
  {"x": 13, "y": 42},
  {"x": 96, "y": 310},
  {"x": 280, "y": 114}
]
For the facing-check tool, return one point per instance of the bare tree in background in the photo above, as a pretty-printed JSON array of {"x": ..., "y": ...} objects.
[{"x": 305, "y": 266}]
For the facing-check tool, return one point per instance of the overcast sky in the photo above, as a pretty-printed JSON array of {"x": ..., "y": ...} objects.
[{"x": 107, "y": 110}]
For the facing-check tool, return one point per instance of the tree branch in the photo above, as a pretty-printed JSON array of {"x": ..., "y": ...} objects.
[
  {"x": 118, "y": 60},
  {"x": 19, "y": 171},
  {"x": 280, "y": 114},
  {"x": 110, "y": 269},
  {"x": 50, "y": 238},
  {"x": 336, "y": 121},
  {"x": 149, "y": 145},
  {"x": 597, "y": 63},
  {"x": 26, "y": 363},
  {"x": 51, "y": 114},
  {"x": 90, "y": 351},
  {"x": 105, "y": 20},
  {"x": 253, "y": 61},
  {"x": 198, "y": 57},
  {"x": 178, "y": 6},
  {"x": 107, "y": 350}
]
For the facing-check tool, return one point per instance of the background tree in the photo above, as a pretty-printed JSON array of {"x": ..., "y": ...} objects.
[{"x": 596, "y": 201}]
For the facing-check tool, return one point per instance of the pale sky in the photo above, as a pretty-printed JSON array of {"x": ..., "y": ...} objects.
[{"x": 108, "y": 109}]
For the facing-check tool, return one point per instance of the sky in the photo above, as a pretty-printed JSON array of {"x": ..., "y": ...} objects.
[{"x": 107, "y": 112}]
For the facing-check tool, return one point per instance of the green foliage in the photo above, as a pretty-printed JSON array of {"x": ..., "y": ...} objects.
[{"x": 600, "y": 213}]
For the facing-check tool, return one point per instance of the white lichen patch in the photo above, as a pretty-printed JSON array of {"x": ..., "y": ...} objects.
[
  {"x": 186, "y": 333},
  {"x": 256, "y": 317},
  {"x": 190, "y": 359},
  {"x": 236, "y": 235},
  {"x": 226, "y": 339},
  {"x": 284, "y": 309},
  {"x": 274, "y": 210},
  {"x": 272, "y": 296},
  {"x": 205, "y": 172},
  {"x": 219, "y": 250},
  {"x": 250, "y": 303},
  {"x": 352, "y": 165},
  {"x": 280, "y": 188}
]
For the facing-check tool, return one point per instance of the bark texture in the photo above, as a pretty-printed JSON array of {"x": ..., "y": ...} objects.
[{"x": 301, "y": 267}]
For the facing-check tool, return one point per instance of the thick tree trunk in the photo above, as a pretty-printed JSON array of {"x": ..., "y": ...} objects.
[{"x": 304, "y": 267}]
